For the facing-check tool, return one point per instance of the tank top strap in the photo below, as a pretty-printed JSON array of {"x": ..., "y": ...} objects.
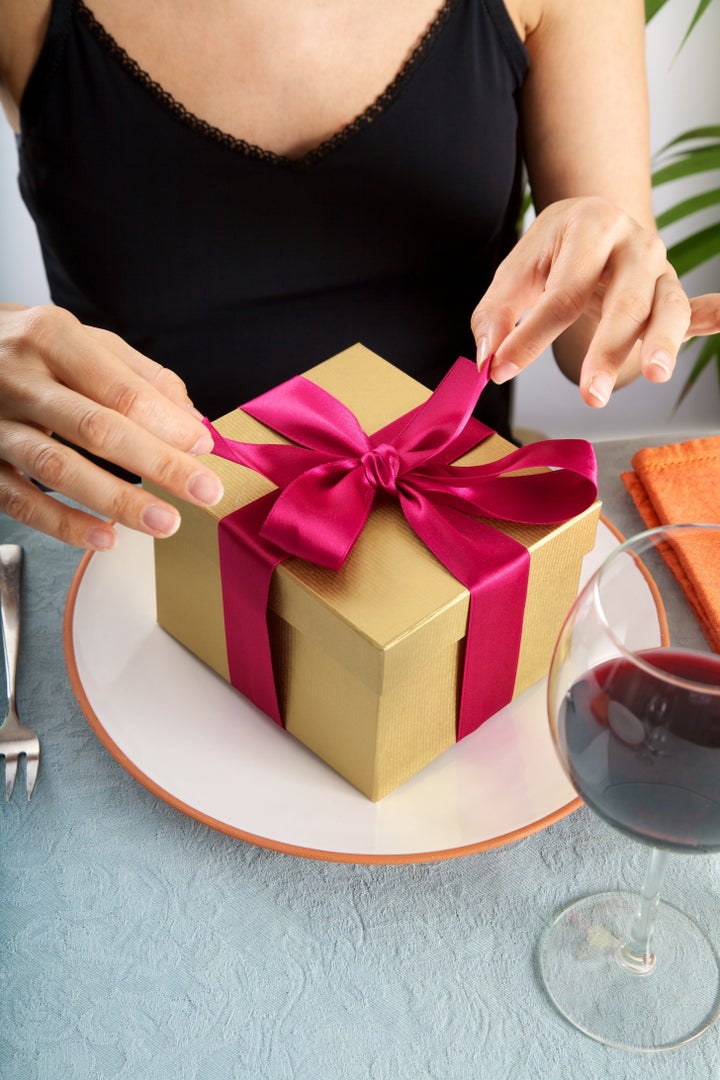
[
  {"x": 510, "y": 41},
  {"x": 50, "y": 53}
]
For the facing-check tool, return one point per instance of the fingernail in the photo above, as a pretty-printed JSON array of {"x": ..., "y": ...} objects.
[
  {"x": 205, "y": 488},
  {"x": 483, "y": 351},
  {"x": 204, "y": 443},
  {"x": 159, "y": 520},
  {"x": 195, "y": 412},
  {"x": 662, "y": 363},
  {"x": 600, "y": 388},
  {"x": 101, "y": 540},
  {"x": 504, "y": 372}
]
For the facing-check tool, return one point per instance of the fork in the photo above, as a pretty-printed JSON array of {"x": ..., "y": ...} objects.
[{"x": 15, "y": 739}]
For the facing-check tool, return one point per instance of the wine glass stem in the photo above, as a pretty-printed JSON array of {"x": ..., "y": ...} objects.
[{"x": 636, "y": 954}]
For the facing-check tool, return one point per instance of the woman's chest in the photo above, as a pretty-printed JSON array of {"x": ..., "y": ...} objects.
[{"x": 282, "y": 76}]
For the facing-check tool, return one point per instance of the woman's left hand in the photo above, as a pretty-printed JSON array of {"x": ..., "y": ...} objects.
[{"x": 585, "y": 261}]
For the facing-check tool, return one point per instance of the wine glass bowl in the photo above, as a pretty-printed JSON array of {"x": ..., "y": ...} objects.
[{"x": 634, "y": 709}]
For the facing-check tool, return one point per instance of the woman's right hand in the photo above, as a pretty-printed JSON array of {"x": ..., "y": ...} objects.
[{"x": 90, "y": 387}]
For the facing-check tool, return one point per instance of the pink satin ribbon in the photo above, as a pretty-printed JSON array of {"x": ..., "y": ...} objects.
[{"x": 327, "y": 484}]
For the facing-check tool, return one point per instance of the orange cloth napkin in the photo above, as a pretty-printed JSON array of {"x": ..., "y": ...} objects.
[{"x": 681, "y": 483}]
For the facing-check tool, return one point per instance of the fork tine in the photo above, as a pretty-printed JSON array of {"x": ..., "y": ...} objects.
[
  {"x": 10, "y": 770},
  {"x": 31, "y": 771},
  {"x": 15, "y": 739}
]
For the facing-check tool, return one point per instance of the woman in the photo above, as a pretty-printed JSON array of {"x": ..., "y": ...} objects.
[{"x": 227, "y": 193}]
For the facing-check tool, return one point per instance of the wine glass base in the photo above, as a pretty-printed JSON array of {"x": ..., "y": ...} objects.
[{"x": 674, "y": 1003}]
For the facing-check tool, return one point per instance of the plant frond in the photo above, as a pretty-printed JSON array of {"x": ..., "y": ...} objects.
[
  {"x": 703, "y": 159},
  {"x": 709, "y": 352},
  {"x": 710, "y": 131},
  {"x": 701, "y": 9},
  {"x": 687, "y": 207},
  {"x": 652, "y": 7},
  {"x": 695, "y": 250}
]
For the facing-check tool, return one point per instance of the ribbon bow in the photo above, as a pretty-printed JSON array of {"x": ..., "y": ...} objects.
[{"x": 327, "y": 484}]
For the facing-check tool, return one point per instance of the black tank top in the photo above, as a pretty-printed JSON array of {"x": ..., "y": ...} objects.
[{"x": 238, "y": 267}]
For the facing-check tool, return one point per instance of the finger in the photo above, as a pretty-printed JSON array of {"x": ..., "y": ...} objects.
[
  {"x": 516, "y": 286},
  {"x": 23, "y": 501},
  {"x": 161, "y": 378},
  {"x": 574, "y": 279},
  {"x": 627, "y": 306},
  {"x": 64, "y": 470},
  {"x": 113, "y": 438},
  {"x": 549, "y": 284},
  {"x": 491, "y": 324},
  {"x": 705, "y": 315},
  {"x": 77, "y": 360},
  {"x": 557, "y": 309},
  {"x": 665, "y": 330}
]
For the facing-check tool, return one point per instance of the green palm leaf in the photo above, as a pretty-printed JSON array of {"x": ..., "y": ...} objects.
[
  {"x": 701, "y": 8},
  {"x": 695, "y": 250},
  {"x": 710, "y": 132},
  {"x": 652, "y": 7},
  {"x": 690, "y": 161},
  {"x": 687, "y": 207},
  {"x": 709, "y": 352},
  {"x": 702, "y": 159}
]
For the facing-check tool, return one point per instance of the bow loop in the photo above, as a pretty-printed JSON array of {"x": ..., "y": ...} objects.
[
  {"x": 320, "y": 514},
  {"x": 308, "y": 415}
]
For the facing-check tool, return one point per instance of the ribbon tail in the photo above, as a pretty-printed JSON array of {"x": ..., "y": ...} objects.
[
  {"x": 495, "y": 569},
  {"x": 492, "y": 644},
  {"x": 247, "y": 563}
]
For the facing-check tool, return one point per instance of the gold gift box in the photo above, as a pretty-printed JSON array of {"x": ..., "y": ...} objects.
[{"x": 367, "y": 660}]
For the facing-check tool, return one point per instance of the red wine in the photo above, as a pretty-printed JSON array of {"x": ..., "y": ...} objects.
[{"x": 644, "y": 753}]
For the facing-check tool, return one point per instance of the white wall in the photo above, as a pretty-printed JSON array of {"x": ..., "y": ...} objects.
[
  {"x": 684, "y": 93},
  {"x": 22, "y": 278}
]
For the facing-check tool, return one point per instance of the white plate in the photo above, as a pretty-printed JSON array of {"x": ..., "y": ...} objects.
[{"x": 194, "y": 741}]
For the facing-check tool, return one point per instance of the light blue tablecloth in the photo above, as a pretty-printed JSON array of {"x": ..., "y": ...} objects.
[{"x": 137, "y": 943}]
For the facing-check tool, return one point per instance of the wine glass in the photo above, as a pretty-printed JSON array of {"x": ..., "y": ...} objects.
[{"x": 634, "y": 708}]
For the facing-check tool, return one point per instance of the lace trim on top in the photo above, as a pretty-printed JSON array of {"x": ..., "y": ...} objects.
[{"x": 363, "y": 120}]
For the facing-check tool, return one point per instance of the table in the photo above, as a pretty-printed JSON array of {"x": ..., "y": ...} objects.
[{"x": 138, "y": 943}]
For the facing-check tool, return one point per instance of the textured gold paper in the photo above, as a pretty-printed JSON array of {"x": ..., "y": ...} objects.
[{"x": 367, "y": 659}]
